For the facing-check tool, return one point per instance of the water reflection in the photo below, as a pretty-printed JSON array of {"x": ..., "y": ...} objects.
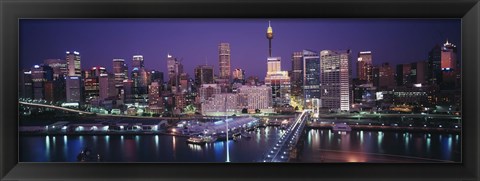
[{"x": 354, "y": 146}]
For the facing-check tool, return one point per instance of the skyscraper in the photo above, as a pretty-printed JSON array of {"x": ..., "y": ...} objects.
[
  {"x": 155, "y": 101},
  {"x": 239, "y": 74},
  {"x": 40, "y": 75},
  {"x": 107, "y": 86},
  {"x": 73, "y": 63},
  {"x": 335, "y": 79},
  {"x": 203, "y": 75},
  {"x": 384, "y": 76},
  {"x": 137, "y": 62},
  {"x": 119, "y": 71},
  {"x": 59, "y": 67},
  {"x": 224, "y": 60},
  {"x": 174, "y": 68},
  {"x": 364, "y": 66},
  {"x": 74, "y": 89},
  {"x": 449, "y": 65},
  {"x": 296, "y": 78},
  {"x": 311, "y": 76},
  {"x": 434, "y": 65}
]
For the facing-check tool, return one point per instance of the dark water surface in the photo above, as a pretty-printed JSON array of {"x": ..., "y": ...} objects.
[{"x": 320, "y": 145}]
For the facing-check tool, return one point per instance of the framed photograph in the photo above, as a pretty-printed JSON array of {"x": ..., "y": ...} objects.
[{"x": 216, "y": 90}]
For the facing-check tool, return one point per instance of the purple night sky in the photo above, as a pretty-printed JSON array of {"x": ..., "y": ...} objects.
[{"x": 195, "y": 41}]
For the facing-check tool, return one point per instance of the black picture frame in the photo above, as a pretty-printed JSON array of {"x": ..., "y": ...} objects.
[{"x": 11, "y": 11}]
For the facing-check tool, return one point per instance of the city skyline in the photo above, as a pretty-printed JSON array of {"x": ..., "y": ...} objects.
[{"x": 290, "y": 36}]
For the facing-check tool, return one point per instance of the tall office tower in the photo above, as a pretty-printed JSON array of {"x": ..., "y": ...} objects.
[
  {"x": 91, "y": 88},
  {"x": 403, "y": 74},
  {"x": 279, "y": 81},
  {"x": 383, "y": 76},
  {"x": 74, "y": 89},
  {"x": 128, "y": 96},
  {"x": 224, "y": 60},
  {"x": 156, "y": 76},
  {"x": 40, "y": 75},
  {"x": 418, "y": 72},
  {"x": 119, "y": 71},
  {"x": 97, "y": 71},
  {"x": 296, "y": 77},
  {"x": 174, "y": 68},
  {"x": 137, "y": 62},
  {"x": 239, "y": 74},
  {"x": 335, "y": 79},
  {"x": 203, "y": 75},
  {"x": 364, "y": 66},
  {"x": 434, "y": 65},
  {"x": 26, "y": 84},
  {"x": 449, "y": 65},
  {"x": 107, "y": 86},
  {"x": 73, "y": 63},
  {"x": 269, "y": 37},
  {"x": 155, "y": 101},
  {"x": 59, "y": 67},
  {"x": 311, "y": 78}
]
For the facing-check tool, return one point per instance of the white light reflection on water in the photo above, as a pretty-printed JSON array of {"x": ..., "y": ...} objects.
[{"x": 47, "y": 145}]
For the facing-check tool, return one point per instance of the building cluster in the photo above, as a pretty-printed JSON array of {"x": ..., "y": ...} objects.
[{"x": 318, "y": 80}]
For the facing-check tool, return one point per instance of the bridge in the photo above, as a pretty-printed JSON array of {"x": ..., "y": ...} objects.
[
  {"x": 280, "y": 151},
  {"x": 54, "y": 107}
]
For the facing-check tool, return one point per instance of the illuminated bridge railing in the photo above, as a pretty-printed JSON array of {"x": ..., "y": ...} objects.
[{"x": 280, "y": 151}]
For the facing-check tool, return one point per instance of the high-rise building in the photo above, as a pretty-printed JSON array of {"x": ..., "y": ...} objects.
[
  {"x": 59, "y": 67},
  {"x": 74, "y": 89},
  {"x": 418, "y": 72},
  {"x": 174, "y": 68},
  {"x": 107, "y": 86},
  {"x": 128, "y": 91},
  {"x": 335, "y": 80},
  {"x": 238, "y": 76},
  {"x": 450, "y": 68},
  {"x": 26, "y": 84},
  {"x": 279, "y": 81},
  {"x": 137, "y": 62},
  {"x": 120, "y": 70},
  {"x": 203, "y": 75},
  {"x": 97, "y": 71},
  {"x": 221, "y": 104},
  {"x": 311, "y": 77},
  {"x": 224, "y": 60},
  {"x": 364, "y": 66},
  {"x": 434, "y": 65},
  {"x": 383, "y": 76},
  {"x": 155, "y": 101},
  {"x": 403, "y": 74},
  {"x": 296, "y": 77},
  {"x": 40, "y": 75},
  {"x": 73, "y": 63},
  {"x": 91, "y": 89},
  {"x": 156, "y": 76}
]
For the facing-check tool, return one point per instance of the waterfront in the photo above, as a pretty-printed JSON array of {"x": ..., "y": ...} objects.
[{"x": 320, "y": 145}]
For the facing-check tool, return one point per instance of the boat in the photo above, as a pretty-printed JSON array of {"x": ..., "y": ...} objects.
[
  {"x": 209, "y": 139},
  {"x": 196, "y": 140},
  {"x": 245, "y": 135},
  {"x": 341, "y": 127}
]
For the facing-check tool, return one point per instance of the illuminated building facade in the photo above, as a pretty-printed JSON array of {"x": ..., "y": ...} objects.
[
  {"x": 73, "y": 63},
  {"x": 335, "y": 80},
  {"x": 364, "y": 66}
]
